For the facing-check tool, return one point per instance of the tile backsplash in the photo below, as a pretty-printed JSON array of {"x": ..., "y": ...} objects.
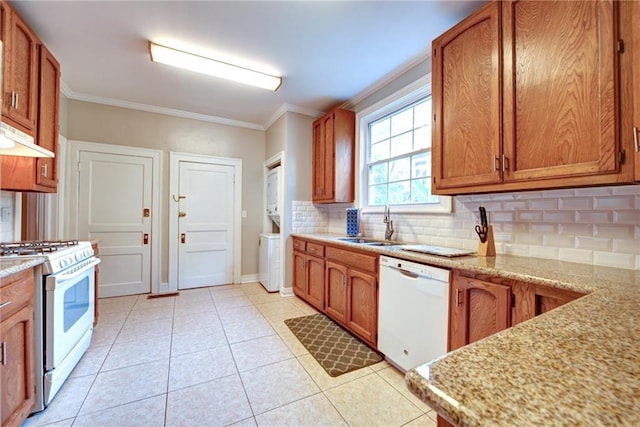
[
  {"x": 7, "y": 226},
  {"x": 599, "y": 225}
]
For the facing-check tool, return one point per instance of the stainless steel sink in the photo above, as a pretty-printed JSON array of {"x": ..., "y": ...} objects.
[{"x": 365, "y": 241}]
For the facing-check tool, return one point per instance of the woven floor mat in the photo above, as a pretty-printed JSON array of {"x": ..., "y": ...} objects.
[{"x": 337, "y": 351}]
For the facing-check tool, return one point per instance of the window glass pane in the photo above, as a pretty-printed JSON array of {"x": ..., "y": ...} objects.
[
  {"x": 422, "y": 138},
  {"x": 399, "y": 193},
  {"x": 380, "y": 130},
  {"x": 380, "y": 151},
  {"x": 378, "y": 174},
  {"x": 402, "y": 144},
  {"x": 399, "y": 169},
  {"x": 420, "y": 190},
  {"x": 422, "y": 113},
  {"x": 420, "y": 165},
  {"x": 402, "y": 122},
  {"x": 404, "y": 136},
  {"x": 378, "y": 195}
]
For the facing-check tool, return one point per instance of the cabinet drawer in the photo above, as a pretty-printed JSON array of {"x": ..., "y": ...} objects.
[
  {"x": 355, "y": 260},
  {"x": 299, "y": 245},
  {"x": 17, "y": 289},
  {"x": 315, "y": 249}
]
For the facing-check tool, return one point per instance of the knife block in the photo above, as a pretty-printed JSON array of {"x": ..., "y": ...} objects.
[{"x": 488, "y": 248}]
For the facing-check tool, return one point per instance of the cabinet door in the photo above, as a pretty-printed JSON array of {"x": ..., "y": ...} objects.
[
  {"x": 49, "y": 90},
  {"x": 467, "y": 102},
  {"x": 20, "y": 102},
  {"x": 362, "y": 313},
  {"x": 478, "y": 309},
  {"x": 336, "y": 292},
  {"x": 635, "y": 42},
  {"x": 16, "y": 370},
  {"x": 560, "y": 99},
  {"x": 322, "y": 161},
  {"x": 299, "y": 274},
  {"x": 315, "y": 282}
]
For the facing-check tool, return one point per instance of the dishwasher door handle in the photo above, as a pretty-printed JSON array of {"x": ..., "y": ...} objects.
[{"x": 408, "y": 273}]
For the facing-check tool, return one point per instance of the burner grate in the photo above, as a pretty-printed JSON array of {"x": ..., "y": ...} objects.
[{"x": 34, "y": 247}]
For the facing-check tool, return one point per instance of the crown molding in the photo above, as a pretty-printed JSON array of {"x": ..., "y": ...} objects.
[
  {"x": 419, "y": 58},
  {"x": 288, "y": 108},
  {"x": 154, "y": 109}
]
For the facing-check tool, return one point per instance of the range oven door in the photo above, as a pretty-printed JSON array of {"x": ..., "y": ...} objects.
[{"x": 69, "y": 299}]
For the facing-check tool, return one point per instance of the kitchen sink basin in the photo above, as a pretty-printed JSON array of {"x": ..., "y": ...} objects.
[{"x": 365, "y": 241}]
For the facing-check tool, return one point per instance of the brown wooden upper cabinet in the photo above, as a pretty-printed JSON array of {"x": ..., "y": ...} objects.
[
  {"x": 333, "y": 157},
  {"x": 49, "y": 96},
  {"x": 20, "y": 72},
  {"x": 31, "y": 91},
  {"x": 629, "y": 20},
  {"x": 529, "y": 94}
]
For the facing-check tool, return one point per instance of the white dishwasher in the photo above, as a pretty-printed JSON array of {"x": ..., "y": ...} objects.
[{"x": 413, "y": 314}]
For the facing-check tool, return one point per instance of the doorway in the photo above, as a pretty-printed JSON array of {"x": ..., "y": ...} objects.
[
  {"x": 204, "y": 224},
  {"x": 114, "y": 201}
]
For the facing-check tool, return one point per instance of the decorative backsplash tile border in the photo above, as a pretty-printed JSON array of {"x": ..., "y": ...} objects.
[{"x": 599, "y": 226}]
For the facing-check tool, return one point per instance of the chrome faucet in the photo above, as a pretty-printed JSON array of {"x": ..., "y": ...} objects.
[{"x": 388, "y": 232}]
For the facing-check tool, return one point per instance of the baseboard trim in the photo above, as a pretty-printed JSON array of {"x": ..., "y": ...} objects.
[
  {"x": 286, "y": 292},
  {"x": 249, "y": 278}
]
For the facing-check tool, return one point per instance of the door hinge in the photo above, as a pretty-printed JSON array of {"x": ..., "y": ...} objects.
[
  {"x": 620, "y": 46},
  {"x": 78, "y": 166},
  {"x": 621, "y": 157},
  {"x": 513, "y": 300}
]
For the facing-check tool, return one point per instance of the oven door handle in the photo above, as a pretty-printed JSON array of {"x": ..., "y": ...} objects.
[{"x": 64, "y": 277}]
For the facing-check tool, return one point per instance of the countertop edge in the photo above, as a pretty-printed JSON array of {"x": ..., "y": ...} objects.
[{"x": 17, "y": 265}]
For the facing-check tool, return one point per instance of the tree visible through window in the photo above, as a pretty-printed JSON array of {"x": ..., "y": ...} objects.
[{"x": 399, "y": 157}]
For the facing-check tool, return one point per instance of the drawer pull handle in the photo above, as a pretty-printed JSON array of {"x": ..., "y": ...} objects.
[
  {"x": 4, "y": 353},
  {"x": 635, "y": 140},
  {"x": 4, "y": 304}
]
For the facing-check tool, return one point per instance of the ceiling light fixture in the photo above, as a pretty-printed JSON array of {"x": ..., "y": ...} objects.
[{"x": 200, "y": 64}]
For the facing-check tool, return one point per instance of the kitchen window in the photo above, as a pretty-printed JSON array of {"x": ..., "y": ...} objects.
[{"x": 395, "y": 141}]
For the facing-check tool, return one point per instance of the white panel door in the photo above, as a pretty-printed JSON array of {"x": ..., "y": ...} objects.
[
  {"x": 114, "y": 191},
  {"x": 205, "y": 254}
]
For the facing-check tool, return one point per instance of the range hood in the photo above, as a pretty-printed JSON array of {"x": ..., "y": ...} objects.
[{"x": 14, "y": 142}]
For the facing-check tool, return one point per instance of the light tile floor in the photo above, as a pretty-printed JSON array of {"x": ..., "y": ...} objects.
[{"x": 219, "y": 356}]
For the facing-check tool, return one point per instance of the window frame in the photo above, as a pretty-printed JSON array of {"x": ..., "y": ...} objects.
[{"x": 400, "y": 99}]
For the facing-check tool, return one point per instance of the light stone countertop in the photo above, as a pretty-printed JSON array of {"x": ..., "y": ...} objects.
[
  {"x": 576, "y": 365},
  {"x": 9, "y": 266}
]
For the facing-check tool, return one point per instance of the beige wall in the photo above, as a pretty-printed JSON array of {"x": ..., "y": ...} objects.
[
  {"x": 276, "y": 137},
  {"x": 112, "y": 125}
]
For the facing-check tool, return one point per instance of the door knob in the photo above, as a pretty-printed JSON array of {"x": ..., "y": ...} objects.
[{"x": 182, "y": 214}]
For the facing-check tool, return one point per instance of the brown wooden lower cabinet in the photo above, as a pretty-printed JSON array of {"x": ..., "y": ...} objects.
[
  {"x": 96, "y": 274},
  {"x": 336, "y": 291},
  {"x": 478, "y": 308},
  {"x": 17, "y": 375},
  {"x": 308, "y": 273},
  {"x": 533, "y": 300},
  {"x": 348, "y": 281}
]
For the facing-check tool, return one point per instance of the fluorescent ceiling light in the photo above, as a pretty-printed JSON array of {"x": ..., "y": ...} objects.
[{"x": 200, "y": 64}]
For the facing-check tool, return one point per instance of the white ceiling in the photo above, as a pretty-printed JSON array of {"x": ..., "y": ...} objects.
[{"x": 328, "y": 52}]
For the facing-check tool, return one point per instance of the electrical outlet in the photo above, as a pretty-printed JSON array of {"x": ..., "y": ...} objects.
[{"x": 6, "y": 214}]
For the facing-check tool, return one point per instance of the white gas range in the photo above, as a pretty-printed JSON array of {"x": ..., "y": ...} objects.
[{"x": 64, "y": 309}]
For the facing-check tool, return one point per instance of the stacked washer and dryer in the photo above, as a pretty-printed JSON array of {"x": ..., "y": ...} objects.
[{"x": 269, "y": 265}]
